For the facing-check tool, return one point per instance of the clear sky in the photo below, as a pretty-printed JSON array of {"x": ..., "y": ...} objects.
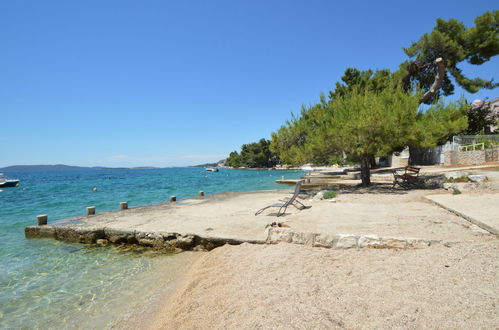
[{"x": 173, "y": 83}]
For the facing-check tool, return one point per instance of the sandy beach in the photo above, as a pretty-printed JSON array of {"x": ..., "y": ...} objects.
[
  {"x": 451, "y": 284},
  {"x": 287, "y": 286}
]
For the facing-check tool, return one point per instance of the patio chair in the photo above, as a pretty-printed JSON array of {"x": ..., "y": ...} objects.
[{"x": 287, "y": 202}]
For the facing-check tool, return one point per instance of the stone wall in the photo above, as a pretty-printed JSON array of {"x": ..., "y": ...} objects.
[
  {"x": 492, "y": 155},
  {"x": 451, "y": 158},
  {"x": 474, "y": 157}
]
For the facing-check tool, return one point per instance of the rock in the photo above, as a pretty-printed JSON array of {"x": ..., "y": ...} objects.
[
  {"x": 347, "y": 241},
  {"x": 303, "y": 238},
  {"x": 418, "y": 243},
  {"x": 461, "y": 186},
  {"x": 455, "y": 175},
  {"x": 369, "y": 241},
  {"x": 325, "y": 240},
  {"x": 319, "y": 195},
  {"x": 396, "y": 243},
  {"x": 279, "y": 234},
  {"x": 102, "y": 241},
  {"x": 185, "y": 242},
  {"x": 477, "y": 178}
]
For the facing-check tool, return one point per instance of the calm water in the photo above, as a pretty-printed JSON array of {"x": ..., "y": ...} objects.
[{"x": 49, "y": 284}]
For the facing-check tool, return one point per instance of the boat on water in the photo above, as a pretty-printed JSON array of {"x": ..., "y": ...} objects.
[
  {"x": 211, "y": 169},
  {"x": 4, "y": 182}
]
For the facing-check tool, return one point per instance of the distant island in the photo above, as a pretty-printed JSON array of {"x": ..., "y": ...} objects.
[
  {"x": 217, "y": 164},
  {"x": 67, "y": 168}
]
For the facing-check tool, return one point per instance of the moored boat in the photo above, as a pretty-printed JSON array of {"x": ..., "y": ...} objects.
[
  {"x": 212, "y": 169},
  {"x": 4, "y": 182}
]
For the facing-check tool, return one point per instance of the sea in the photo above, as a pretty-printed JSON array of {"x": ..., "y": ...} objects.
[{"x": 48, "y": 284}]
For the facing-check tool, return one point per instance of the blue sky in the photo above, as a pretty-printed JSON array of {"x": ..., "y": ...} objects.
[{"x": 173, "y": 83}]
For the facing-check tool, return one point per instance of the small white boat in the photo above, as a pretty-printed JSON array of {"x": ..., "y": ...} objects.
[
  {"x": 4, "y": 182},
  {"x": 211, "y": 169}
]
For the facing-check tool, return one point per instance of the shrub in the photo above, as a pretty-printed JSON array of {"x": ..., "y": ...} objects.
[
  {"x": 329, "y": 194},
  {"x": 463, "y": 178},
  {"x": 456, "y": 191}
]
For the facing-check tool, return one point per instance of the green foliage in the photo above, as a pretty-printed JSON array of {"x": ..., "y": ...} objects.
[
  {"x": 438, "y": 124},
  {"x": 329, "y": 194},
  {"x": 454, "y": 43},
  {"x": 480, "y": 119},
  {"x": 456, "y": 191},
  {"x": 460, "y": 179},
  {"x": 369, "y": 114},
  {"x": 362, "y": 80},
  {"x": 369, "y": 122},
  {"x": 253, "y": 155}
]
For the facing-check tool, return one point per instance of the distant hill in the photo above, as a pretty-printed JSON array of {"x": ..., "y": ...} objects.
[
  {"x": 46, "y": 168},
  {"x": 210, "y": 164}
]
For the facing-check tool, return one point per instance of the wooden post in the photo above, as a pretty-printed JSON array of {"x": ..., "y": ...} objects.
[
  {"x": 201, "y": 193},
  {"x": 42, "y": 219},
  {"x": 173, "y": 198},
  {"x": 123, "y": 205},
  {"x": 91, "y": 210}
]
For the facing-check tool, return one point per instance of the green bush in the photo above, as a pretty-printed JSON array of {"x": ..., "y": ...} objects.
[
  {"x": 463, "y": 178},
  {"x": 456, "y": 191},
  {"x": 329, "y": 194}
]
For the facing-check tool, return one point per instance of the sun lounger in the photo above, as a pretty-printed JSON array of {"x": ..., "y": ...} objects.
[{"x": 285, "y": 203}]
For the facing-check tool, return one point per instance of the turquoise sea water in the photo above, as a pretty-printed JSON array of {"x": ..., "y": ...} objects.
[{"x": 49, "y": 284}]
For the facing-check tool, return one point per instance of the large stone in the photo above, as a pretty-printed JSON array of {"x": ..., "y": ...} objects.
[
  {"x": 369, "y": 241},
  {"x": 418, "y": 243},
  {"x": 120, "y": 236},
  {"x": 303, "y": 238},
  {"x": 185, "y": 242},
  {"x": 39, "y": 232},
  {"x": 325, "y": 240},
  {"x": 394, "y": 243},
  {"x": 455, "y": 175},
  {"x": 347, "y": 241},
  {"x": 277, "y": 235},
  {"x": 319, "y": 195},
  {"x": 477, "y": 178}
]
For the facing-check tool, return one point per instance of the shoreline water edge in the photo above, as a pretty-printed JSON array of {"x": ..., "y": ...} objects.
[{"x": 56, "y": 284}]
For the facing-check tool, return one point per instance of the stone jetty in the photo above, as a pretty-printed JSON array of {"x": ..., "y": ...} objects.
[{"x": 376, "y": 217}]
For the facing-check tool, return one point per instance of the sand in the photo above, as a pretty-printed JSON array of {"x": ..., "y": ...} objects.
[
  {"x": 289, "y": 286},
  {"x": 450, "y": 285}
]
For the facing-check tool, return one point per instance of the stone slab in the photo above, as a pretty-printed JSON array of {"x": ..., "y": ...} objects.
[{"x": 480, "y": 209}]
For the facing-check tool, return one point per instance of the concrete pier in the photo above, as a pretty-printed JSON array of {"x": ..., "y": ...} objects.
[{"x": 356, "y": 220}]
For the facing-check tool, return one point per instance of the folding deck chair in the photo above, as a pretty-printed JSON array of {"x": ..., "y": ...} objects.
[{"x": 291, "y": 201}]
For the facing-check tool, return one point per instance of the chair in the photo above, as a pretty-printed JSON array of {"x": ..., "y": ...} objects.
[{"x": 291, "y": 201}]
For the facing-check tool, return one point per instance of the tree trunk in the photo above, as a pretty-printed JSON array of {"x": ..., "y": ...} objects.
[
  {"x": 372, "y": 161},
  {"x": 365, "y": 173},
  {"x": 438, "y": 81}
]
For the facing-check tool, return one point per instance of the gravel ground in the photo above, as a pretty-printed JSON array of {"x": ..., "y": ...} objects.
[{"x": 289, "y": 286}]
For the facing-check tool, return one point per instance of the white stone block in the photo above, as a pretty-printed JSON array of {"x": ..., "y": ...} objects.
[
  {"x": 477, "y": 178},
  {"x": 369, "y": 241},
  {"x": 347, "y": 241}
]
